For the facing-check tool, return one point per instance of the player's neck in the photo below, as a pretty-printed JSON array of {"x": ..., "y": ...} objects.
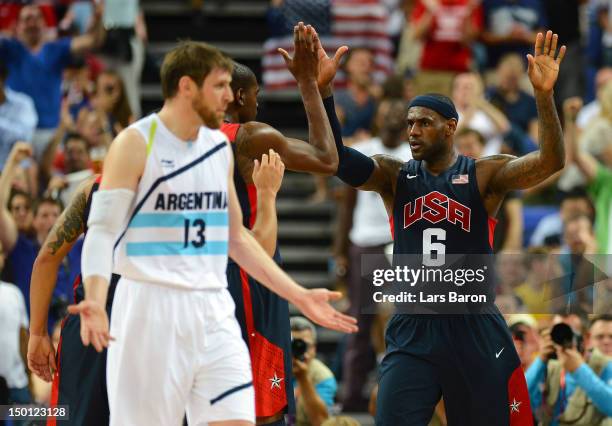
[
  {"x": 441, "y": 164},
  {"x": 232, "y": 116},
  {"x": 183, "y": 122}
]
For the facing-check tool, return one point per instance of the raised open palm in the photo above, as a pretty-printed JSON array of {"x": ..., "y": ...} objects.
[
  {"x": 315, "y": 304},
  {"x": 543, "y": 68},
  {"x": 304, "y": 64},
  {"x": 328, "y": 67}
]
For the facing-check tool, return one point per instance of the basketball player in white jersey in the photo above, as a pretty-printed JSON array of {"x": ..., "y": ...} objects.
[{"x": 168, "y": 206}]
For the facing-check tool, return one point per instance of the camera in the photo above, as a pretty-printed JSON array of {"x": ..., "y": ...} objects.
[
  {"x": 563, "y": 335},
  {"x": 299, "y": 348}
]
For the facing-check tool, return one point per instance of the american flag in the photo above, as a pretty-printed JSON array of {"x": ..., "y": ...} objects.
[
  {"x": 460, "y": 179},
  {"x": 355, "y": 23}
]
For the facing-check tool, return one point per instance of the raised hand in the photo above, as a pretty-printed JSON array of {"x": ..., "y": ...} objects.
[
  {"x": 19, "y": 152},
  {"x": 41, "y": 357},
  {"x": 543, "y": 68},
  {"x": 268, "y": 174},
  {"x": 315, "y": 305},
  {"x": 304, "y": 65},
  {"x": 328, "y": 67},
  {"x": 94, "y": 324}
]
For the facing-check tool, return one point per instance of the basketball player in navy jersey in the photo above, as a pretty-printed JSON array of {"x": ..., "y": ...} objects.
[
  {"x": 262, "y": 315},
  {"x": 446, "y": 199},
  {"x": 78, "y": 372}
]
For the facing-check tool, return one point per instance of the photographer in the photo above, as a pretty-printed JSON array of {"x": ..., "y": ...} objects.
[
  {"x": 568, "y": 385},
  {"x": 315, "y": 385}
]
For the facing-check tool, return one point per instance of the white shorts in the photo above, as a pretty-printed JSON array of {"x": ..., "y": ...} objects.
[{"x": 176, "y": 351}]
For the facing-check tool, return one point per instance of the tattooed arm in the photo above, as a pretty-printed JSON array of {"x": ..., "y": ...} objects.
[
  {"x": 519, "y": 173},
  {"x": 60, "y": 240}
]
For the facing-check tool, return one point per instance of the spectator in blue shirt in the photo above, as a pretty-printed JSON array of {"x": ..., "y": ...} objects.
[
  {"x": 356, "y": 105},
  {"x": 18, "y": 117},
  {"x": 575, "y": 388},
  {"x": 36, "y": 65},
  {"x": 509, "y": 98},
  {"x": 23, "y": 248},
  {"x": 511, "y": 26},
  {"x": 315, "y": 385}
]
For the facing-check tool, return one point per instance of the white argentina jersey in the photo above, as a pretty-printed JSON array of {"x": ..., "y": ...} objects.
[{"x": 178, "y": 229}]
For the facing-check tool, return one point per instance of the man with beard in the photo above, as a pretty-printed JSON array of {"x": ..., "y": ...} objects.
[
  {"x": 167, "y": 208},
  {"x": 79, "y": 372}
]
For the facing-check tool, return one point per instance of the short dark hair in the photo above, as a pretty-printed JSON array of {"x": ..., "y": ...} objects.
[
  {"x": 72, "y": 136},
  {"x": 193, "y": 59},
  {"x": 47, "y": 200},
  {"x": 19, "y": 193},
  {"x": 575, "y": 192},
  {"x": 242, "y": 77},
  {"x": 602, "y": 317}
]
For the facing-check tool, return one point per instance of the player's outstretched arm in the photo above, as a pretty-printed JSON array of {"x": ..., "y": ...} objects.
[
  {"x": 245, "y": 250},
  {"x": 68, "y": 227},
  {"x": 318, "y": 156},
  {"x": 267, "y": 176},
  {"x": 300, "y": 156},
  {"x": 529, "y": 170},
  {"x": 110, "y": 207}
]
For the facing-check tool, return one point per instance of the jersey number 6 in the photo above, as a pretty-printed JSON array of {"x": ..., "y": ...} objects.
[{"x": 435, "y": 247}]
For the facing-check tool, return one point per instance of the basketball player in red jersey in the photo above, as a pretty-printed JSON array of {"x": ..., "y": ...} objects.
[{"x": 262, "y": 315}]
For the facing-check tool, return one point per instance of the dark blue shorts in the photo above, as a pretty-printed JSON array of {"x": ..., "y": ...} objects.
[
  {"x": 269, "y": 342},
  {"x": 80, "y": 380},
  {"x": 468, "y": 360}
]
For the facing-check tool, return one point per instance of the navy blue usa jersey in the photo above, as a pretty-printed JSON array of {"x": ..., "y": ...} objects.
[{"x": 441, "y": 214}]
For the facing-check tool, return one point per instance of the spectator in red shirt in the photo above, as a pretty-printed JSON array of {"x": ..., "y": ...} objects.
[{"x": 446, "y": 27}]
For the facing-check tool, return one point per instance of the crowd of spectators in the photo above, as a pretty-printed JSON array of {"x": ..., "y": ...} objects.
[{"x": 69, "y": 82}]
